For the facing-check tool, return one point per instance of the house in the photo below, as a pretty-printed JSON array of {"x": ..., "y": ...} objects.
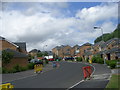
[
  {"x": 34, "y": 52},
  {"x": 75, "y": 50},
  {"x": 62, "y": 51},
  {"x": 82, "y": 50},
  {"x": 22, "y": 46},
  {"x": 111, "y": 49},
  {"x": 19, "y": 57}
]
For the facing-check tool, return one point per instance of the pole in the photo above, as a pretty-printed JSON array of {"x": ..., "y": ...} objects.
[
  {"x": 103, "y": 50},
  {"x": 102, "y": 40}
]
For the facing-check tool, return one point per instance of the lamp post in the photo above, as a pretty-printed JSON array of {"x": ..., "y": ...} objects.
[
  {"x": 43, "y": 49},
  {"x": 102, "y": 39}
]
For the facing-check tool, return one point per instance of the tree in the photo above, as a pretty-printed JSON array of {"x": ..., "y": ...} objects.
[
  {"x": 39, "y": 54},
  {"x": 6, "y": 57},
  {"x": 108, "y": 36}
]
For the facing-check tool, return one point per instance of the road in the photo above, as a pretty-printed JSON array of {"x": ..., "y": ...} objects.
[{"x": 68, "y": 74}]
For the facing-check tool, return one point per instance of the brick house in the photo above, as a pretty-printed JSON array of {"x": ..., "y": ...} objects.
[
  {"x": 62, "y": 51},
  {"x": 19, "y": 57},
  {"x": 82, "y": 50},
  {"x": 75, "y": 50},
  {"x": 110, "y": 49},
  {"x": 34, "y": 52}
]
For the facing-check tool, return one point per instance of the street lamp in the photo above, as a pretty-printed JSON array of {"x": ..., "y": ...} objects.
[
  {"x": 102, "y": 38},
  {"x": 43, "y": 49}
]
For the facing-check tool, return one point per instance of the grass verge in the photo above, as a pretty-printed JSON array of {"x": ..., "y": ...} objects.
[{"x": 114, "y": 81}]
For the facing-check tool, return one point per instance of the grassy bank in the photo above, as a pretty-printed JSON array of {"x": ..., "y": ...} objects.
[{"x": 114, "y": 82}]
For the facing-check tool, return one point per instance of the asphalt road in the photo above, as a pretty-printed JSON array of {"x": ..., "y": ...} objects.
[{"x": 65, "y": 76}]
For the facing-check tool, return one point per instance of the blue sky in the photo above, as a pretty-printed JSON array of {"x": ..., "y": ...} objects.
[{"x": 67, "y": 23}]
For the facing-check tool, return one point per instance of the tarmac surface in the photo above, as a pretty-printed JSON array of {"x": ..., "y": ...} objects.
[{"x": 68, "y": 76}]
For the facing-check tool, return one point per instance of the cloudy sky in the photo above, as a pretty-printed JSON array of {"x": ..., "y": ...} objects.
[{"x": 56, "y": 23}]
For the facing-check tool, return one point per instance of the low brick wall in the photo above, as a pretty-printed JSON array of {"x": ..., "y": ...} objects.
[{"x": 20, "y": 61}]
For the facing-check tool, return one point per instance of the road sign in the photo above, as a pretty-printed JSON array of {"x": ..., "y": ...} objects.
[
  {"x": 38, "y": 68},
  {"x": 7, "y": 86},
  {"x": 87, "y": 71}
]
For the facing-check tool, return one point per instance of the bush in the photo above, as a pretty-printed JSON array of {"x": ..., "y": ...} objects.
[
  {"x": 46, "y": 61},
  {"x": 17, "y": 68},
  {"x": 79, "y": 59},
  {"x": 87, "y": 59},
  {"x": 4, "y": 70},
  {"x": 111, "y": 63},
  {"x": 97, "y": 59},
  {"x": 31, "y": 65}
]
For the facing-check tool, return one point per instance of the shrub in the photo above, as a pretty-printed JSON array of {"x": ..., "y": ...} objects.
[
  {"x": 79, "y": 59},
  {"x": 97, "y": 59},
  {"x": 94, "y": 59},
  {"x": 31, "y": 65},
  {"x": 87, "y": 59},
  {"x": 24, "y": 68},
  {"x": 17, "y": 68},
  {"x": 46, "y": 61},
  {"x": 111, "y": 63},
  {"x": 4, "y": 70}
]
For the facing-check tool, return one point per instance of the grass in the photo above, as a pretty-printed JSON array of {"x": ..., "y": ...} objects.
[{"x": 114, "y": 81}]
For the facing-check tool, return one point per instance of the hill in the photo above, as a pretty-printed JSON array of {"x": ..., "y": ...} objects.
[{"x": 108, "y": 36}]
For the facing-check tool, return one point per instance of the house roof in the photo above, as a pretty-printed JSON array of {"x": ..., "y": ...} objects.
[
  {"x": 22, "y": 45},
  {"x": 113, "y": 50},
  {"x": 99, "y": 43},
  {"x": 49, "y": 52},
  {"x": 2, "y": 38},
  {"x": 87, "y": 44},
  {"x": 34, "y": 51},
  {"x": 16, "y": 53},
  {"x": 117, "y": 40}
]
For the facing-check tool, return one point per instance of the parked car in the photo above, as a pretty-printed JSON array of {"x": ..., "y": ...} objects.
[
  {"x": 36, "y": 61},
  {"x": 51, "y": 59},
  {"x": 68, "y": 58}
]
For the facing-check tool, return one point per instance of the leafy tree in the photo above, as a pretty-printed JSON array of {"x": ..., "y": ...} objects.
[
  {"x": 39, "y": 54},
  {"x": 108, "y": 36},
  {"x": 45, "y": 54},
  {"x": 6, "y": 56}
]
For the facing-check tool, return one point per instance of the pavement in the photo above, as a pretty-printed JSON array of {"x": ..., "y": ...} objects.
[
  {"x": 20, "y": 75},
  {"x": 100, "y": 78}
]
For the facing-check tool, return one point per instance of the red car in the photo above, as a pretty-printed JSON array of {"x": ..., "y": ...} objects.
[{"x": 51, "y": 59}]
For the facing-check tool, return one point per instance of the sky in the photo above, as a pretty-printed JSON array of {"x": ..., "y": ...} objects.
[{"x": 56, "y": 23}]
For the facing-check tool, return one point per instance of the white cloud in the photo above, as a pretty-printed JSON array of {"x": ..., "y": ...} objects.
[{"x": 42, "y": 24}]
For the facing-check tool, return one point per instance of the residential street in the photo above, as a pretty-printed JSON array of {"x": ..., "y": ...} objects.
[{"x": 68, "y": 74}]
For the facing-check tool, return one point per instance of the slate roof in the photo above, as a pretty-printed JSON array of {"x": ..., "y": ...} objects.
[
  {"x": 113, "y": 50},
  {"x": 34, "y": 51},
  {"x": 2, "y": 38},
  {"x": 22, "y": 45},
  {"x": 117, "y": 41},
  {"x": 87, "y": 44},
  {"x": 99, "y": 43},
  {"x": 16, "y": 53}
]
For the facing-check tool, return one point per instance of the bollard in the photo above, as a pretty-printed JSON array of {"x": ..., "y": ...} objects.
[
  {"x": 87, "y": 72},
  {"x": 90, "y": 61},
  {"x": 6, "y": 86},
  {"x": 38, "y": 68},
  {"x": 54, "y": 64}
]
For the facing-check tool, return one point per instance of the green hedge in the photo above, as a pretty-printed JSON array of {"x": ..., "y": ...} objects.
[
  {"x": 18, "y": 68},
  {"x": 79, "y": 59},
  {"x": 97, "y": 59},
  {"x": 111, "y": 63},
  {"x": 31, "y": 65}
]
